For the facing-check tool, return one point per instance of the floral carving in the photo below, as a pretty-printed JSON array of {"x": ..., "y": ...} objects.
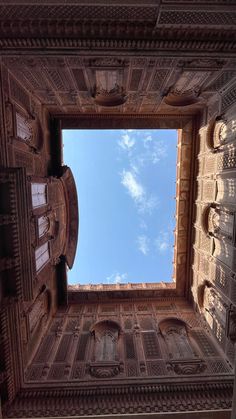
[
  {"x": 104, "y": 370},
  {"x": 187, "y": 367}
]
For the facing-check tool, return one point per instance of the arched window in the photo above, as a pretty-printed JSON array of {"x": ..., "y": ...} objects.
[
  {"x": 213, "y": 305},
  {"x": 220, "y": 223},
  {"x": 106, "y": 334},
  {"x": 175, "y": 334},
  {"x": 221, "y": 131}
]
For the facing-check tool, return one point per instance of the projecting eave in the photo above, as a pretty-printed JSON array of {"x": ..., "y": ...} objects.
[
  {"x": 72, "y": 216},
  {"x": 104, "y": 292}
]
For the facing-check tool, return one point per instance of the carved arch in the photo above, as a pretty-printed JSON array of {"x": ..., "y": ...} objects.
[
  {"x": 176, "y": 336},
  {"x": 182, "y": 351},
  {"x": 106, "y": 334},
  {"x": 105, "y": 357},
  {"x": 218, "y": 222},
  {"x": 220, "y": 131}
]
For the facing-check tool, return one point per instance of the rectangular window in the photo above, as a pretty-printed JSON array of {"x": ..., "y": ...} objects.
[
  {"x": 41, "y": 256},
  {"x": 39, "y": 194},
  {"x": 43, "y": 225},
  {"x": 23, "y": 128}
]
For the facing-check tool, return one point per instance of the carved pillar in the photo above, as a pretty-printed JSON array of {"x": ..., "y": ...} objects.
[
  {"x": 73, "y": 347},
  {"x": 139, "y": 349},
  {"x": 53, "y": 352},
  {"x": 120, "y": 351}
]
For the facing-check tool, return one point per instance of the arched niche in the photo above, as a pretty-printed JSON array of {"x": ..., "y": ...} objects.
[
  {"x": 211, "y": 304},
  {"x": 183, "y": 358},
  {"x": 106, "y": 334},
  {"x": 218, "y": 132},
  {"x": 218, "y": 222},
  {"x": 105, "y": 337},
  {"x": 176, "y": 336}
]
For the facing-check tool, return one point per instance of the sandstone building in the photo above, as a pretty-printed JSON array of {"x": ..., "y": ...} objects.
[{"x": 164, "y": 349}]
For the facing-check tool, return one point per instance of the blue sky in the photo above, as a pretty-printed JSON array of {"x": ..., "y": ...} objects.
[{"x": 126, "y": 187}]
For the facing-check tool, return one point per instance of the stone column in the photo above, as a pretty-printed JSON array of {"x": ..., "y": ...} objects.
[{"x": 139, "y": 348}]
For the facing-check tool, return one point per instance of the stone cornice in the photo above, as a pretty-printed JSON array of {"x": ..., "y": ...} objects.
[{"x": 153, "y": 46}]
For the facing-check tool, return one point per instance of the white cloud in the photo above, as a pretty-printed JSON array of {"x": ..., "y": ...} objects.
[
  {"x": 117, "y": 278},
  {"x": 162, "y": 242},
  {"x": 159, "y": 152},
  {"x": 147, "y": 140},
  {"x": 148, "y": 204},
  {"x": 143, "y": 244},
  {"x": 135, "y": 189},
  {"x": 126, "y": 142}
]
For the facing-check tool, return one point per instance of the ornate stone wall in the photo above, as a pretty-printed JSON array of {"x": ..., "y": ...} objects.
[
  {"x": 162, "y": 64},
  {"x": 214, "y": 243},
  {"x": 113, "y": 344}
]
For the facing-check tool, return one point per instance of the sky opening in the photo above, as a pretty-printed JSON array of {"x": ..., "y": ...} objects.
[{"x": 126, "y": 188}]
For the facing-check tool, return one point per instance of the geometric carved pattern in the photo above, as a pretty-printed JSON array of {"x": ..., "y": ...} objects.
[
  {"x": 233, "y": 291},
  {"x": 63, "y": 349},
  {"x": 217, "y": 367},
  {"x": 142, "y": 307},
  {"x": 221, "y": 81},
  {"x": 131, "y": 369},
  {"x": 151, "y": 346},
  {"x": 157, "y": 368},
  {"x": 56, "y": 372},
  {"x": 34, "y": 373},
  {"x": 82, "y": 345},
  {"x": 221, "y": 279},
  {"x": 129, "y": 346},
  {"x": 230, "y": 351},
  {"x": 227, "y": 160},
  {"x": 207, "y": 347},
  {"x": 208, "y": 191},
  {"x": 197, "y": 18},
  {"x": 45, "y": 349},
  {"x": 204, "y": 265},
  {"x": 79, "y": 12},
  {"x": 191, "y": 319},
  {"x": 146, "y": 323},
  {"x": 19, "y": 94},
  {"x": 229, "y": 98}
]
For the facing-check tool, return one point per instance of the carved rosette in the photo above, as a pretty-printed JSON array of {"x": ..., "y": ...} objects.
[
  {"x": 187, "y": 367},
  {"x": 104, "y": 370}
]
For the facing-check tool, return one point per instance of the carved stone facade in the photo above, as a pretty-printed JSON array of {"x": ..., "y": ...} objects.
[{"x": 125, "y": 349}]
